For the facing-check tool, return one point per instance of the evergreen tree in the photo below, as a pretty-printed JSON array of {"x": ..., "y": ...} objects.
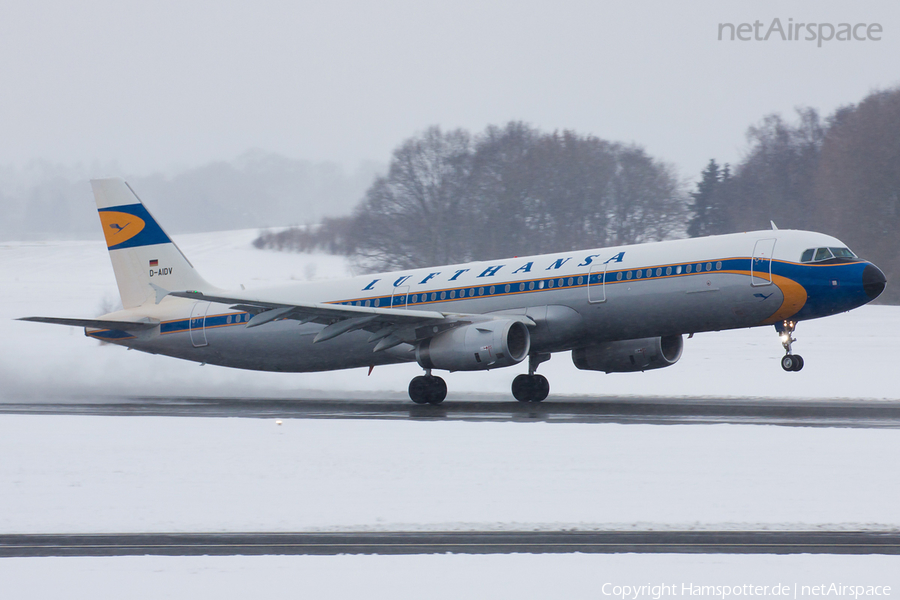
[{"x": 704, "y": 206}]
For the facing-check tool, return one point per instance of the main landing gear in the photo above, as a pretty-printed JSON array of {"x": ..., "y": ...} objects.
[
  {"x": 531, "y": 387},
  {"x": 427, "y": 389},
  {"x": 789, "y": 362}
]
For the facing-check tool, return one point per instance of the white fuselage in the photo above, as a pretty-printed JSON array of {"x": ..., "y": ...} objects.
[{"x": 574, "y": 299}]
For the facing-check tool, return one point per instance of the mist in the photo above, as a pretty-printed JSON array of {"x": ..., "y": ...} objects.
[{"x": 168, "y": 87}]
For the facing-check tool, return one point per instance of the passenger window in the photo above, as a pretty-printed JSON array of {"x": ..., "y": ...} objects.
[
  {"x": 823, "y": 254},
  {"x": 807, "y": 255}
]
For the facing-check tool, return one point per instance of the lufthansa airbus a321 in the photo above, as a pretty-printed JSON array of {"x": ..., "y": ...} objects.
[{"x": 618, "y": 309}]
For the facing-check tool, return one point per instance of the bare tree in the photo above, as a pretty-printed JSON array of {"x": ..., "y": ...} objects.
[
  {"x": 512, "y": 190},
  {"x": 504, "y": 198},
  {"x": 774, "y": 181},
  {"x": 415, "y": 215},
  {"x": 647, "y": 203},
  {"x": 858, "y": 182}
]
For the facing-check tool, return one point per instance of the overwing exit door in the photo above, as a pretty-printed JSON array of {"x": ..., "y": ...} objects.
[{"x": 596, "y": 283}]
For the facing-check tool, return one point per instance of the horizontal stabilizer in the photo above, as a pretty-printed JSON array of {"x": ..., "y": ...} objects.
[{"x": 96, "y": 323}]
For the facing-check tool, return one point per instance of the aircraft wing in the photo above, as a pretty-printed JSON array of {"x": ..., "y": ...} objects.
[
  {"x": 317, "y": 309},
  {"x": 96, "y": 323},
  {"x": 389, "y": 326}
]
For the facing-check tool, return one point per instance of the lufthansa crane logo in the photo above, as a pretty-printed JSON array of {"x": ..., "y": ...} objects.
[{"x": 119, "y": 227}]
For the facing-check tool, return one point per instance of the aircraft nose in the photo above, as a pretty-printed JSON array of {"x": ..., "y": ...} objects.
[{"x": 873, "y": 281}]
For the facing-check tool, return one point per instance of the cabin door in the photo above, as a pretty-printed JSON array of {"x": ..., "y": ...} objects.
[{"x": 761, "y": 264}]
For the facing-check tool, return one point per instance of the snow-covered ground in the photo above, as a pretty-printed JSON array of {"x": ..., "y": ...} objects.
[
  {"x": 120, "y": 474},
  {"x": 110, "y": 474},
  {"x": 853, "y": 355},
  {"x": 113, "y": 474},
  {"x": 440, "y": 577}
]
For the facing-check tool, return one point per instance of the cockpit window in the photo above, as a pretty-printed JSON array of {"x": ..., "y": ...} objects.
[
  {"x": 820, "y": 254},
  {"x": 842, "y": 252}
]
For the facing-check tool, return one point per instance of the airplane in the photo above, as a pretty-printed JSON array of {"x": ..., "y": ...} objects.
[{"x": 618, "y": 309}]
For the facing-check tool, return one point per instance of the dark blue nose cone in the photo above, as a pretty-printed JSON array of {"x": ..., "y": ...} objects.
[{"x": 873, "y": 281}]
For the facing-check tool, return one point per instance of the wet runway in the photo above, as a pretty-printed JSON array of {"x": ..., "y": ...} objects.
[
  {"x": 557, "y": 409},
  {"x": 602, "y": 542}
]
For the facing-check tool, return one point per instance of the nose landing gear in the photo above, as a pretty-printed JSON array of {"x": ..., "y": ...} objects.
[{"x": 789, "y": 362}]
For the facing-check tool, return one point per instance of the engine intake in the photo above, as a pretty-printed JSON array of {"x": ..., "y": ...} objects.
[
  {"x": 476, "y": 347},
  {"x": 627, "y": 356}
]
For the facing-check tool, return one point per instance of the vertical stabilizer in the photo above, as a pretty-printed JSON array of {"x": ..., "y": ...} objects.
[{"x": 143, "y": 257}]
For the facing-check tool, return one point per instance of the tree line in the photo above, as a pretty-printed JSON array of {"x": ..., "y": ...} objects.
[
  {"x": 450, "y": 196},
  {"x": 838, "y": 175}
]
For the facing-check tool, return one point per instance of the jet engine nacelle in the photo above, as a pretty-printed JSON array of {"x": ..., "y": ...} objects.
[
  {"x": 630, "y": 355},
  {"x": 476, "y": 347}
]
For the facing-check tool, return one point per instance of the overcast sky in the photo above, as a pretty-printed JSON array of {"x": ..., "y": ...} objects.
[{"x": 160, "y": 85}]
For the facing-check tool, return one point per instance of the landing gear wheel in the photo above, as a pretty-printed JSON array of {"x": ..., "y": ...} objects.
[
  {"x": 427, "y": 389},
  {"x": 530, "y": 388},
  {"x": 787, "y": 363},
  {"x": 418, "y": 390},
  {"x": 521, "y": 387},
  {"x": 791, "y": 362},
  {"x": 541, "y": 388},
  {"x": 438, "y": 390}
]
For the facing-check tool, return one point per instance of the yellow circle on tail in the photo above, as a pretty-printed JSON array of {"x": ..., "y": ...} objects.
[{"x": 119, "y": 227}]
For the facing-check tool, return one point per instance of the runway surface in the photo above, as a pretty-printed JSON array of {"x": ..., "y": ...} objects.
[
  {"x": 557, "y": 409},
  {"x": 606, "y": 542}
]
